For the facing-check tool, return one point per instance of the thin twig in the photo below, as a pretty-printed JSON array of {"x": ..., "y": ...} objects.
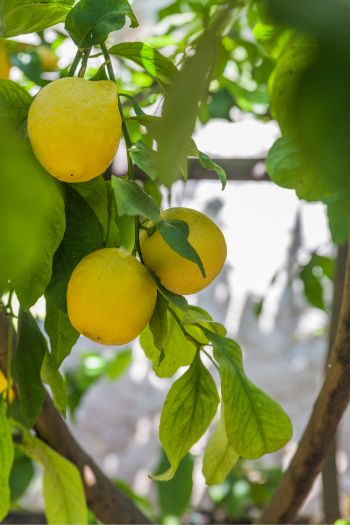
[{"x": 75, "y": 63}]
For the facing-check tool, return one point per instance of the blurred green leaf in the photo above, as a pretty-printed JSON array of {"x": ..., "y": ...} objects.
[
  {"x": 90, "y": 22},
  {"x": 255, "y": 423},
  {"x": 6, "y": 460},
  {"x": 219, "y": 456},
  {"x": 22, "y": 473},
  {"x": 62, "y": 486},
  {"x": 118, "y": 366},
  {"x": 28, "y": 16},
  {"x": 208, "y": 164},
  {"x": 131, "y": 199},
  {"x": 287, "y": 168},
  {"x": 174, "y": 497},
  {"x": 27, "y": 362},
  {"x": 189, "y": 407},
  {"x": 60, "y": 331},
  {"x": 158, "y": 66},
  {"x": 174, "y": 235},
  {"x": 14, "y": 101}
]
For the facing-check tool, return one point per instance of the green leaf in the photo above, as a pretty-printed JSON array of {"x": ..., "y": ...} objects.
[
  {"x": 177, "y": 300},
  {"x": 219, "y": 456},
  {"x": 22, "y": 473},
  {"x": 189, "y": 407},
  {"x": 126, "y": 227},
  {"x": 144, "y": 158},
  {"x": 14, "y": 101},
  {"x": 313, "y": 288},
  {"x": 255, "y": 423},
  {"x": 159, "y": 323},
  {"x": 287, "y": 168},
  {"x": 52, "y": 377},
  {"x": 60, "y": 331},
  {"x": 207, "y": 163},
  {"x": 83, "y": 235},
  {"x": 167, "y": 349},
  {"x": 181, "y": 102},
  {"x": 31, "y": 286},
  {"x": 338, "y": 207},
  {"x": 157, "y": 66},
  {"x": 27, "y": 362},
  {"x": 90, "y": 22},
  {"x": 6, "y": 460},
  {"x": 132, "y": 200},
  {"x": 175, "y": 496},
  {"x": 174, "y": 234},
  {"x": 95, "y": 193},
  {"x": 119, "y": 364},
  {"x": 28, "y": 16},
  {"x": 62, "y": 486}
]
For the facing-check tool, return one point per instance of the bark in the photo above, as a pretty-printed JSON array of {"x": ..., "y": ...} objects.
[
  {"x": 321, "y": 428},
  {"x": 107, "y": 502},
  {"x": 330, "y": 488}
]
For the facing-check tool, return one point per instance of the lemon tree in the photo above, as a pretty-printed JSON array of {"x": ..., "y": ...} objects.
[{"x": 113, "y": 262}]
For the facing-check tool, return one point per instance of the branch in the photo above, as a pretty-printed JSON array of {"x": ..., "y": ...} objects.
[
  {"x": 321, "y": 428},
  {"x": 107, "y": 502}
]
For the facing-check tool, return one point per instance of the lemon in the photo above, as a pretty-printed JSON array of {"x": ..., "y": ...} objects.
[
  {"x": 176, "y": 273},
  {"x": 74, "y": 127},
  {"x": 110, "y": 297},
  {"x": 4, "y": 61},
  {"x": 4, "y": 388}
]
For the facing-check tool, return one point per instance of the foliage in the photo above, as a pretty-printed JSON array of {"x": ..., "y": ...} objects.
[{"x": 226, "y": 58}]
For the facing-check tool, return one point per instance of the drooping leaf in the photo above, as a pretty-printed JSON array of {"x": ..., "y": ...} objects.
[
  {"x": 167, "y": 351},
  {"x": 6, "y": 460},
  {"x": 255, "y": 423},
  {"x": 144, "y": 158},
  {"x": 151, "y": 60},
  {"x": 14, "y": 101},
  {"x": 90, "y": 22},
  {"x": 62, "y": 486},
  {"x": 132, "y": 200},
  {"x": 60, "y": 331},
  {"x": 22, "y": 473},
  {"x": 174, "y": 234},
  {"x": 219, "y": 456},
  {"x": 95, "y": 193},
  {"x": 189, "y": 407},
  {"x": 177, "y": 300},
  {"x": 207, "y": 163},
  {"x": 83, "y": 235},
  {"x": 27, "y": 362},
  {"x": 28, "y": 16},
  {"x": 52, "y": 377},
  {"x": 159, "y": 323}
]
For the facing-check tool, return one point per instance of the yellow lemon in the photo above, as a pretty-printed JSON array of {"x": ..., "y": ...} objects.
[
  {"x": 74, "y": 127},
  {"x": 4, "y": 388},
  {"x": 110, "y": 297},
  {"x": 4, "y": 61},
  {"x": 176, "y": 273}
]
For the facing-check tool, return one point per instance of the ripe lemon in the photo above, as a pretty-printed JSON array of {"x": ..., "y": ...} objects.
[
  {"x": 74, "y": 127},
  {"x": 110, "y": 297},
  {"x": 4, "y": 61},
  {"x": 176, "y": 273},
  {"x": 4, "y": 388}
]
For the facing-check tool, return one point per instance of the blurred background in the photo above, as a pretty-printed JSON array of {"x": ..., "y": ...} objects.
[{"x": 274, "y": 294}]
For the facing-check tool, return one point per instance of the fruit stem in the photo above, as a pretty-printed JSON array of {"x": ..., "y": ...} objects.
[
  {"x": 75, "y": 63},
  {"x": 86, "y": 55}
]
